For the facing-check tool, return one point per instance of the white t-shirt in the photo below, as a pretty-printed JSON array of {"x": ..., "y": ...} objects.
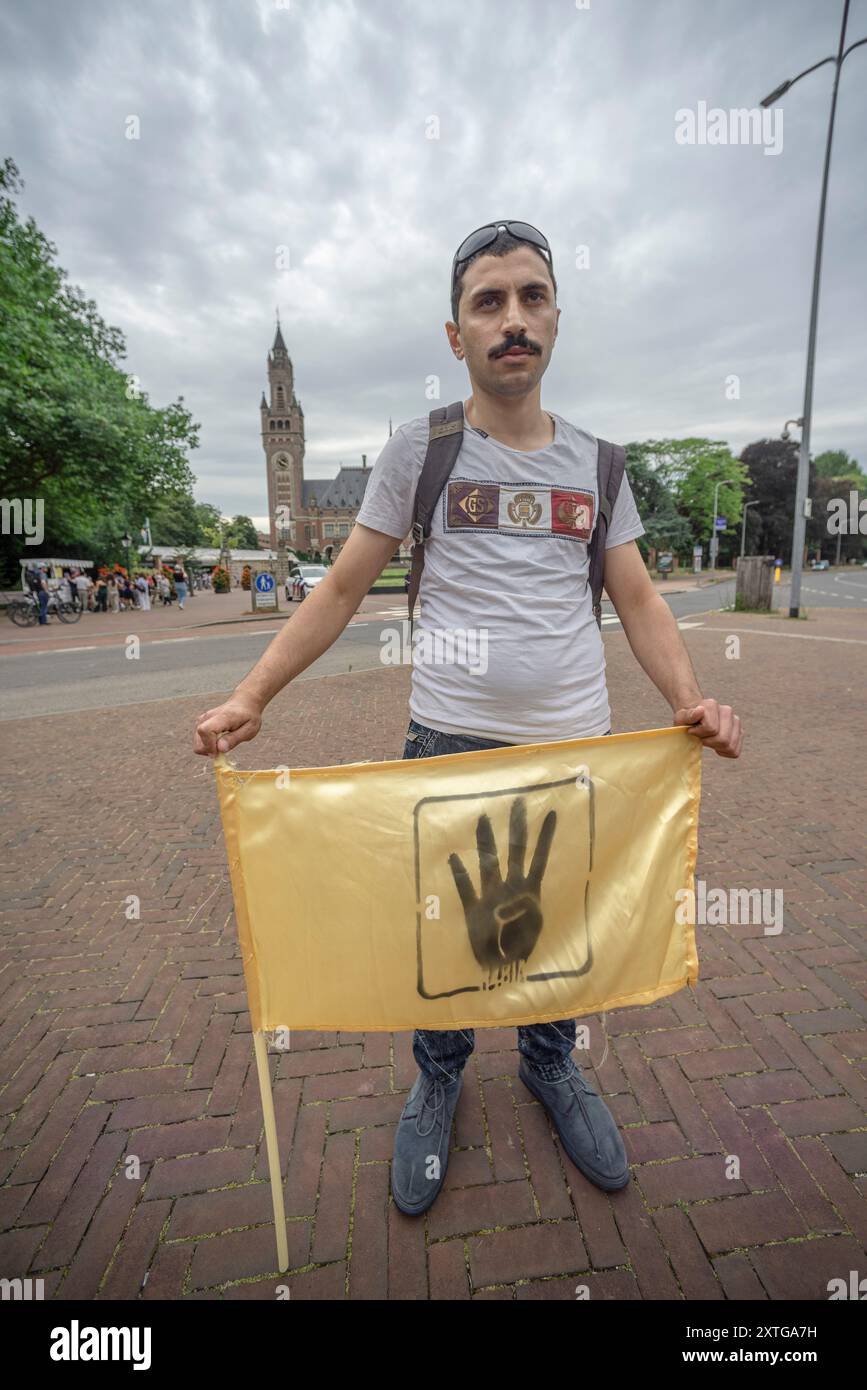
[{"x": 505, "y": 645}]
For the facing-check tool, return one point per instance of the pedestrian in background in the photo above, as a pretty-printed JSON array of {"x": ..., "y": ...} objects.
[
  {"x": 42, "y": 596},
  {"x": 68, "y": 592},
  {"x": 144, "y": 594},
  {"x": 180, "y": 584},
  {"x": 84, "y": 584}
]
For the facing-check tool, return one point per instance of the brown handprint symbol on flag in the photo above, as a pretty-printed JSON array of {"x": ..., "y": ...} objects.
[{"x": 504, "y": 920}]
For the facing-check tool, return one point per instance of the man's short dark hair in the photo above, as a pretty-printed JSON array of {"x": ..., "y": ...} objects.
[{"x": 504, "y": 243}]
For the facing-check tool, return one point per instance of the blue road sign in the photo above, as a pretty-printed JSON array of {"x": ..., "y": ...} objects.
[
  {"x": 264, "y": 583},
  {"x": 721, "y": 523}
]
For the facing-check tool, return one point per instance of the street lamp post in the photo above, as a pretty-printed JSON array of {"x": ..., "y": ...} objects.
[
  {"x": 744, "y": 524},
  {"x": 225, "y": 553},
  {"x": 713, "y": 535},
  {"x": 799, "y": 529}
]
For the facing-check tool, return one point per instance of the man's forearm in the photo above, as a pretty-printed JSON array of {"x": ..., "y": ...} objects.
[
  {"x": 653, "y": 635},
  {"x": 308, "y": 633}
]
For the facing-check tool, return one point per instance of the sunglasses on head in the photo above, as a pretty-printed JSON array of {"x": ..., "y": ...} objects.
[{"x": 484, "y": 236}]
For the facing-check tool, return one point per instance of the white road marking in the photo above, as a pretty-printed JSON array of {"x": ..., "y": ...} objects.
[
  {"x": 151, "y": 642},
  {"x": 799, "y": 636},
  {"x": 826, "y": 593},
  {"x": 217, "y": 636},
  {"x": 50, "y": 651},
  {"x": 683, "y": 625}
]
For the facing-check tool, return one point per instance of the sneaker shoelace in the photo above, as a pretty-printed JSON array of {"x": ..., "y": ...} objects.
[
  {"x": 433, "y": 1099},
  {"x": 579, "y": 1087}
]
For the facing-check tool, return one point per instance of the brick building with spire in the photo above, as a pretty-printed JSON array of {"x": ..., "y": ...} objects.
[{"x": 322, "y": 510}]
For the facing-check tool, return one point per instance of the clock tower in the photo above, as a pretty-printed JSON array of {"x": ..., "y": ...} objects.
[{"x": 283, "y": 442}]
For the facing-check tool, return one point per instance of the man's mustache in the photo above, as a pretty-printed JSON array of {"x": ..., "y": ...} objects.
[{"x": 517, "y": 343}]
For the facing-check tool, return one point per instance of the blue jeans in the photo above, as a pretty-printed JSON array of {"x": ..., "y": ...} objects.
[{"x": 443, "y": 1052}]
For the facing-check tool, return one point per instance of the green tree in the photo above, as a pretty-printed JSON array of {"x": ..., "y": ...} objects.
[
  {"x": 210, "y": 522},
  {"x": 76, "y": 430},
  {"x": 174, "y": 520},
  {"x": 827, "y": 494},
  {"x": 242, "y": 534},
  {"x": 836, "y": 475},
  {"x": 665, "y": 528},
  {"x": 772, "y": 465},
  {"x": 686, "y": 470},
  {"x": 693, "y": 468},
  {"x": 836, "y": 463}
]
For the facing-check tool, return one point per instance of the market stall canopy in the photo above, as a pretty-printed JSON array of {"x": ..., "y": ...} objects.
[{"x": 32, "y": 561}]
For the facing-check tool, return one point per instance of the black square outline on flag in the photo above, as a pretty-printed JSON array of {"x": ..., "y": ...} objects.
[{"x": 475, "y": 796}]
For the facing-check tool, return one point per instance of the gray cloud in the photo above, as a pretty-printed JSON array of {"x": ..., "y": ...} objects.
[{"x": 305, "y": 127}]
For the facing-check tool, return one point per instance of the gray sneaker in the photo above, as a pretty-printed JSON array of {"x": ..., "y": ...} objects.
[
  {"x": 587, "y": 1129},
  {"x": 421, "y": 1144}
]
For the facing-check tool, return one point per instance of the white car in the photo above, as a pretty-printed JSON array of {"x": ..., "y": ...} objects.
[{"x": 303, "y": 581}]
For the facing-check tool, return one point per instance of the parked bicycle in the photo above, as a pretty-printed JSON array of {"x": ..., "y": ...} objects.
[{"x": 24, "y": 611}]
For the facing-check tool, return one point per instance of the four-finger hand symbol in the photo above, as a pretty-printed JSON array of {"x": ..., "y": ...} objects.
[{"x": 504, "y": 919}]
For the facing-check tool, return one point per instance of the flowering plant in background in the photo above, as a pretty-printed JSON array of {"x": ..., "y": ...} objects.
[
  {"x": 245, "y": 577},
  {"x": 221, "y": 579}
]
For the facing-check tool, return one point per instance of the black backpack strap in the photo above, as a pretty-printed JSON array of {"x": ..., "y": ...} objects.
[
  {"x": 610, "y": 464},
  {"x": 446, "y": 435}
]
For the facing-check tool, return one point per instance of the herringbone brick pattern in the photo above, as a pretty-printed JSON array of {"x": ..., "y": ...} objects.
[{"x": 131, "y": 1150}]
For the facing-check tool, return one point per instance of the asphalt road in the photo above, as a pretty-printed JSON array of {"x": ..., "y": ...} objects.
[{"x": 55, "y": 682}]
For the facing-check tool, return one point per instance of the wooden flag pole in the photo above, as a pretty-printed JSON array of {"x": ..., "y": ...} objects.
[
  {"x": 260, "y": 1048},
  {"x": 262, "y": 1068}
]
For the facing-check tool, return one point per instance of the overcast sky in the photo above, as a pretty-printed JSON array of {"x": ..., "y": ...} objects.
[{"x": 305, "y": 125}]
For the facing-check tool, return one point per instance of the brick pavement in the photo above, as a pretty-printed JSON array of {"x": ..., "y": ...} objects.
[{"x": 131, "y": 1149}]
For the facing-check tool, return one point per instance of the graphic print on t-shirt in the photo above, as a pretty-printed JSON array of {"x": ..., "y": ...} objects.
[
  {"x": 545, "y": 677},
  {"x": 518, "y": 509}
]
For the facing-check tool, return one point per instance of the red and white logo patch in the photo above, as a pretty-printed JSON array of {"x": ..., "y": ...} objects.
[
  {"x": 572, "y": 513},
  {"x": 518, "y": 509}
]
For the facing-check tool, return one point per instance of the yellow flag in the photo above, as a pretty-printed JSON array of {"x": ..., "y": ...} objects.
[{"x": 505, "y": 886}]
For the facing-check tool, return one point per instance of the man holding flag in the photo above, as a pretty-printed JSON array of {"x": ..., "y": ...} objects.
[{"x": 505, "y": 554}]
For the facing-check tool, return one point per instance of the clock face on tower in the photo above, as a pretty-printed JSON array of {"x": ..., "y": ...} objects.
[{"x": 282, "y": 460}]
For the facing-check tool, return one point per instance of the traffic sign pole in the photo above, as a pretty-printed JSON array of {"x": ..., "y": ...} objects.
[
  {"x": 263, "y": 590},
  {"x": 714, "y": 542}
]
